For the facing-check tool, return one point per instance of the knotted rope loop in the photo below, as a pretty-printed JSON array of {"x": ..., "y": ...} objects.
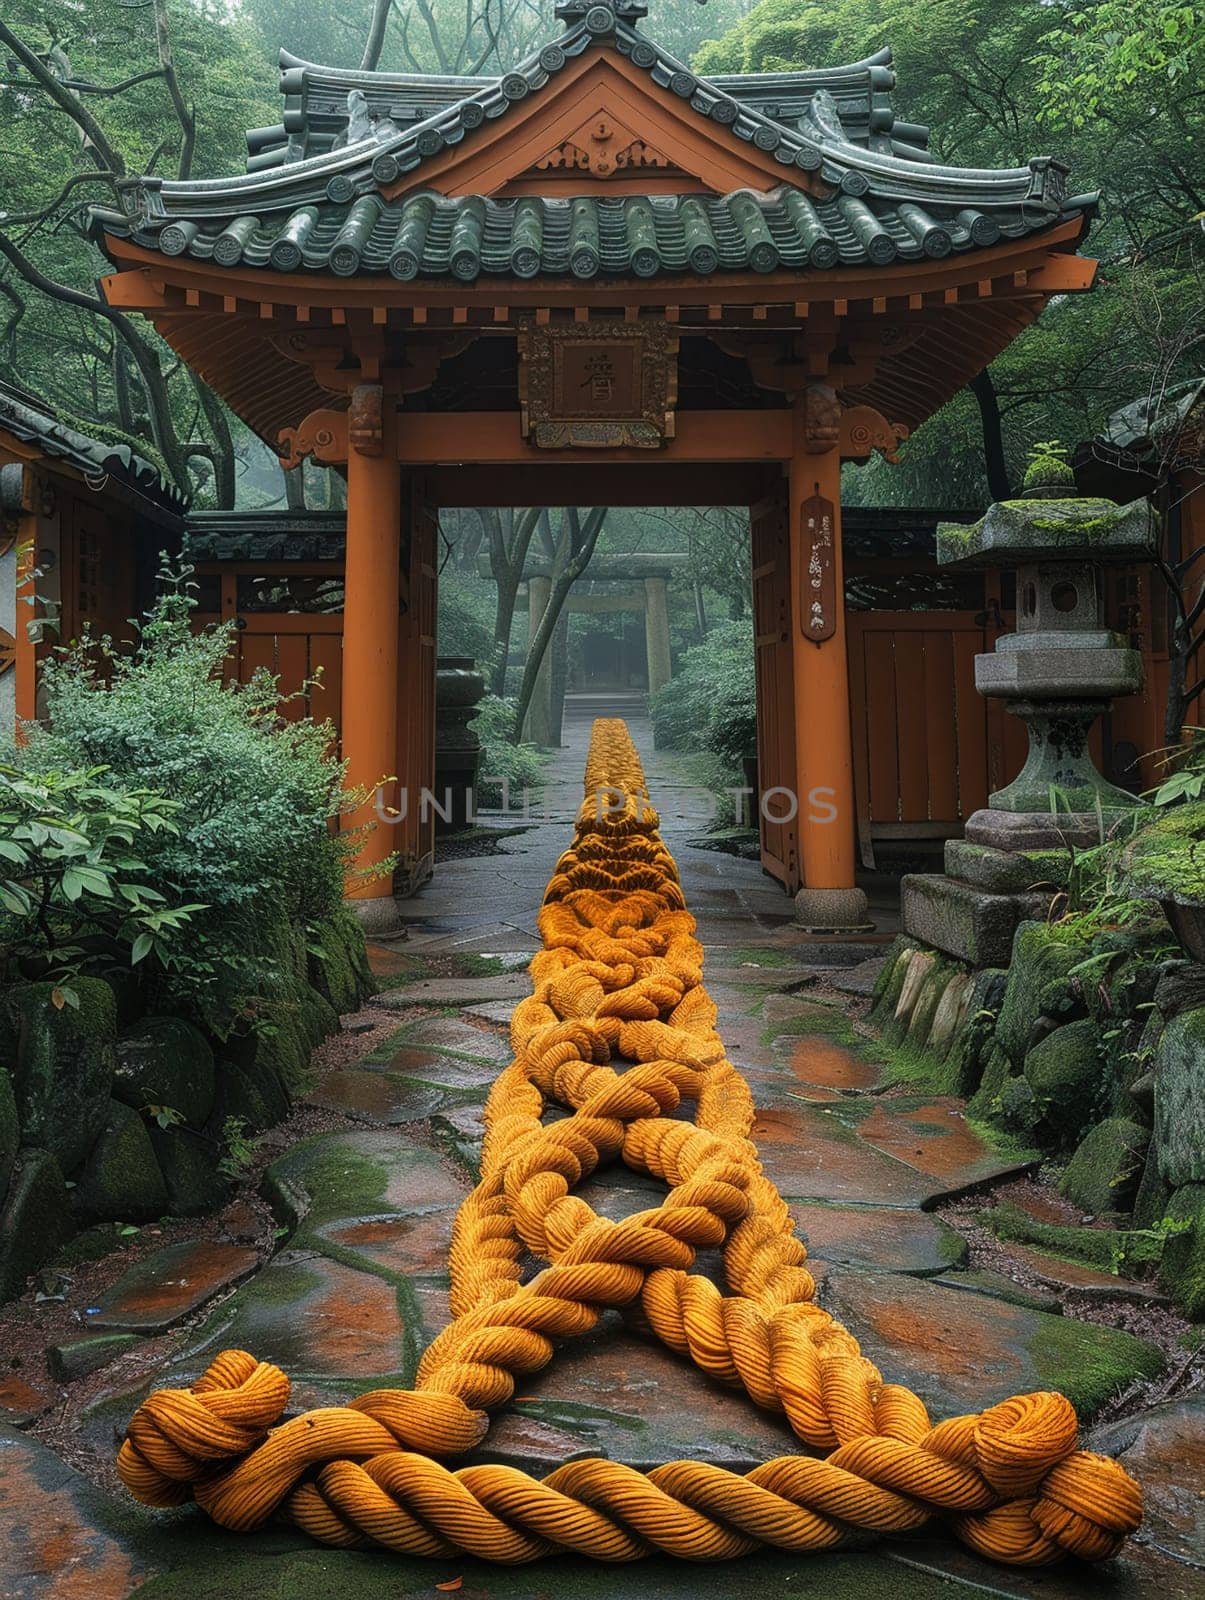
[{"x": 620, "y": 1033}]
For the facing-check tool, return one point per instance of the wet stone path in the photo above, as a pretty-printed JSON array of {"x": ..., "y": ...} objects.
[{"x": 358, "y": 1284}]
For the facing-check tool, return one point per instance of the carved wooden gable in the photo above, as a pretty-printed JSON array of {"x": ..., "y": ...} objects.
[{"x": 600, "y": 126}]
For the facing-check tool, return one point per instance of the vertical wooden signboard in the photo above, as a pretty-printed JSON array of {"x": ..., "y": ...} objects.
[{"x": 817, "y": 577}]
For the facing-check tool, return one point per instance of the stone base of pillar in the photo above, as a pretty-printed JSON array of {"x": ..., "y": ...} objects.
[
  {"x": 832, "y": 911},
  {"x": 378, "y": 917}
]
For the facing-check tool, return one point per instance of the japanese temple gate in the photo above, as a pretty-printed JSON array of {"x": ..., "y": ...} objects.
[{"x": 597, "y": 279}]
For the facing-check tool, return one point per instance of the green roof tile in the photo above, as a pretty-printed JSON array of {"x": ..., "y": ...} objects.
[{"x": 319, "y": 208}]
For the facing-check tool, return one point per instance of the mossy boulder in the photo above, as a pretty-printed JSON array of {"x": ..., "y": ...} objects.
[
  {"x": 65, "y": 1063},
  {"x": 1064, "y": 1071},
  {"x": 188, "y": 1162},
  {"x": 1165, "y": 860},
  {"x": 10, "y": 1129},
  {"x": 165, "y": 1061},
  {"x": 1183, "y": 1271},
  {"x": 1180, "y": 1099},
  {"x": 917, "y": 967},
  {"x": 997, "y": 1070},
  {"x": 1104, "y": 1172},
  {"x": 121, "y": 1180},
  {"x": 35, "y": 1220},
  {"x": 338, "y": 963},
  {"x": 1039, "y": 991},
  {"x": 254, "y": 1093},
  {"x": 920, "y": 1022},
  {"x": 967, "y": 1055}
]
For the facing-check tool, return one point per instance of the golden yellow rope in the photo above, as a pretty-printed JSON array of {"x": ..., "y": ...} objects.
[{"x": 620, "y": 979}]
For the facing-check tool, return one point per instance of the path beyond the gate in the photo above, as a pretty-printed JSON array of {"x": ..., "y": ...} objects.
[{"x": 358, "y": 1284}]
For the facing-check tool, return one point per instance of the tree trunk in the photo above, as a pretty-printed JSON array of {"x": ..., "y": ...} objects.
[
  {"x": 583, "y": 538},
  {"x": 558, "y": 676},
  {"x": 376, "y": 35},
  {"x": 223, "y": 443},
  {"x": 994, "y": 461}
]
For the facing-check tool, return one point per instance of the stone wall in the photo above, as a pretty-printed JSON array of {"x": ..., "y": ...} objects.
[
  {"x": 1093, "y": 1054},
  {"x": 105, "y": 1117}
]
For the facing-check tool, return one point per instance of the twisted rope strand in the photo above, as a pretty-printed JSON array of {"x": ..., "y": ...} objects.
[{"x": 619, "y": 979}]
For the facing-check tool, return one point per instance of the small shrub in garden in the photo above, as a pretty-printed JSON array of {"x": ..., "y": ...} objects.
[
  {"x": 76, "y": 890},
  {"x": 250, "y": 846},
  {"x": 711, "y": 702},
  {"x": 502, "y": 758}
]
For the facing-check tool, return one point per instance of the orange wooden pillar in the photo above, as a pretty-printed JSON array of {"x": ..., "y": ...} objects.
[
  {"x": 829, "y": 898},
  {"x": 372, "y": 596}
]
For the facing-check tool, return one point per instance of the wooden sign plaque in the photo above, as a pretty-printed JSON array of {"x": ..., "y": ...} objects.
[
  {"x": 818, "y": 578},
  {"x": 596, "y": 386}
]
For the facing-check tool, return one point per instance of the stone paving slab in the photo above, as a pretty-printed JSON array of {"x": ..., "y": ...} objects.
[
  {"x": 381, "y": 1097},
  {"x": 1165, "y": 1450},
  {"x": 931, "y": 1135},
  {"x": 58, "y": 1540},
  {"x": 811, "y": 1155},
  {"x": 962, "y": 1351},
  {"x": 340, "y": 1176},
  {"x": 888, "y": 1241},
  {"x": 22, "y": 1402},
  {"x": 631, "y": 1399},
  {"x": 171, "y": 1284},
  {"x": 1077, "y": 1279},
  {"x": 440, "y": 1035},
  {"x": 512, "y": 986},
  {"x": 314, "y": 1317}
]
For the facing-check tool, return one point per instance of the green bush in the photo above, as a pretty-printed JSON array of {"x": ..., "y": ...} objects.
[
  {"x": 520, "y": 765},
  {"x": 76, "y": 892},
  {"x": 255, "y": 796},
  {"x": 711, "y": 702}
]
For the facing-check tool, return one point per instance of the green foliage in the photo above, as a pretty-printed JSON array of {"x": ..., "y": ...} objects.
[
  {"x": 76, "y": 891},
  {"x": 710, "y": 703},
  {"x": 1119, "y": 85},
  {"x": 466, "y": 618},
  {"x": 519, "y": 766},
  {"x": 1166, "y": 859},
  {"x": 1186, "y": 778},
  {"x": 250, "y": 846},
  {"x": 238, "y": 1149}
]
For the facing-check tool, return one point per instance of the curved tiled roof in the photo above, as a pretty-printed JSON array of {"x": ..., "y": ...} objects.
[
  {"x": 867, "y": 204},
  {"x": 316, "y": 117},
  {"x": 25, "y": 417}
]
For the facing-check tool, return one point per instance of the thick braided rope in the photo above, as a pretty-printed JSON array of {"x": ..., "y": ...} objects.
[{"x": 620, "y": 979}]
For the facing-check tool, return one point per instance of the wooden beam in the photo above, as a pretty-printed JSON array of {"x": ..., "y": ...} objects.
[
  {"x": 478, "y": 437},
  {"x": 663, "y": 483}
]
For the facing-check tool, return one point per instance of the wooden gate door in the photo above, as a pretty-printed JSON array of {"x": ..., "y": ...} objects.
[
  {"x": 416, "y": 687},
  {"x": 924, "y": 751},
  {"x": 775, "y": 689}
]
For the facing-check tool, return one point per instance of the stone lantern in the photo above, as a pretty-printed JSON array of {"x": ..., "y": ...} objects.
[
  {"x": 1062, "y": 667},
  {"x": 1058, "y": 672}
]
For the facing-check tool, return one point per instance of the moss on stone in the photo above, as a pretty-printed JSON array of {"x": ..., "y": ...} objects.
[
  {"x": 985, "y": 1102},
  {"x": 188, "y": 1163},
  {"x": 1037, "y": 979},
  {"x": 64, "y": 1065},
  {"x": 338, "y": 962},
  {"x": 35, "y": 1220},
  {"x": 1104, "y": 1172},
  {"x": 1180, "y": 1099},
  {"x": 120, "y": 1181},
  {"x": 1089, "y": 1363},
  {"x": 1165, "y": 860},
  {"x": 1064, "y": 1071},
  {"x": 1107, "y": 1249},
  {"x": 165, "y": 1061},
  {"x": 10, "y": 1129},
  {"x": 1183, "y": 1270}
]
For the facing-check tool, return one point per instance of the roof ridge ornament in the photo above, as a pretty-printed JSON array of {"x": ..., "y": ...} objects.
[{"x": 600, "y": 16}]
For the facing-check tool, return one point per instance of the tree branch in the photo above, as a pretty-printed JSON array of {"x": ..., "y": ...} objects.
[{"x": 65, "y": 100}]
